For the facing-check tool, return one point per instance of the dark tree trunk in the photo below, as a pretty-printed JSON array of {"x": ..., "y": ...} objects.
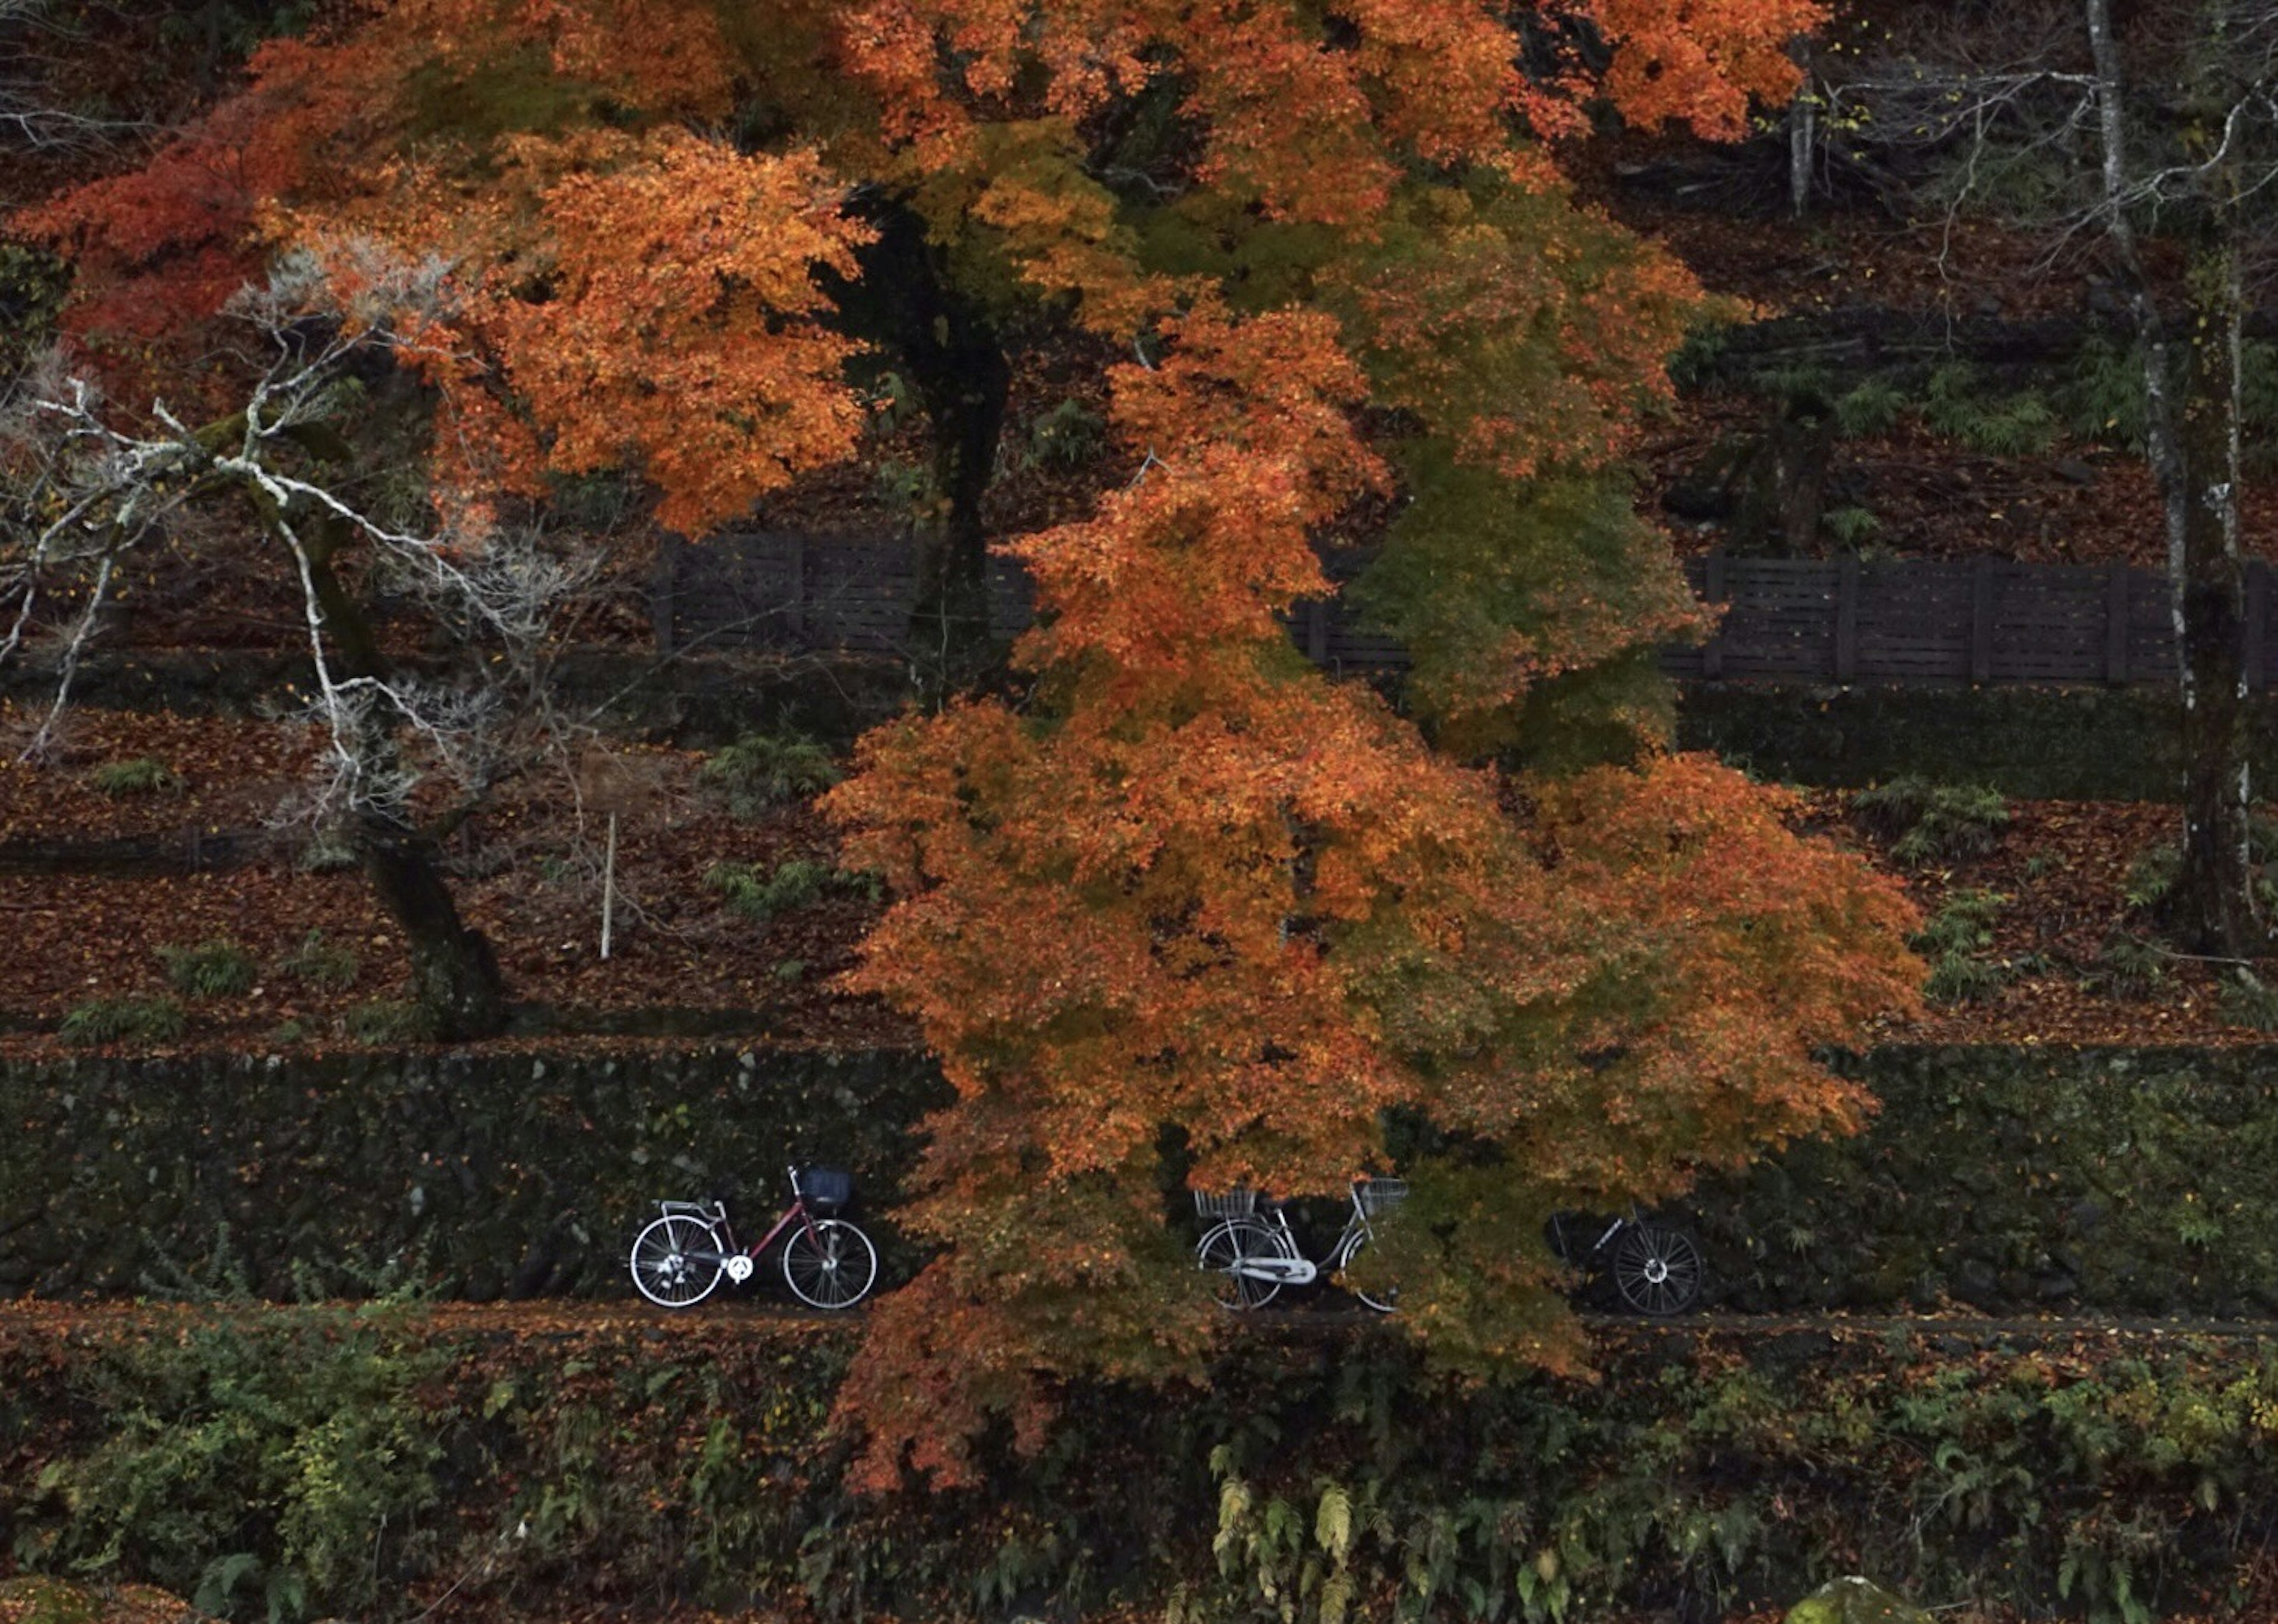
[
  {"x": 2212, "y": 908},
  {"x": 454, "y": 975},
  {"x": 953, "y": 358},
  {"x": 455, "y": 979}
]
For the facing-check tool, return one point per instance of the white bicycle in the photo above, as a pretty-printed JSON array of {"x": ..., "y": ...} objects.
[{"x": 1256, "y": 1255}]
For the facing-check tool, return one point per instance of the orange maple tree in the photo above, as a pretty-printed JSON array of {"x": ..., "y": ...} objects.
[{"x": 1191, "y": 913}]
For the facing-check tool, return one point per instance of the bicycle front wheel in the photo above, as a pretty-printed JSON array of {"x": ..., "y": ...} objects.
[
  {"x": 677, "y": 1261},
  {"x": 832, "y": 1265},
  {"x": 1657, "y": 1268},
  {"x": 1385, "y": 1297},
  {"x": 1234, "y": 1242}
]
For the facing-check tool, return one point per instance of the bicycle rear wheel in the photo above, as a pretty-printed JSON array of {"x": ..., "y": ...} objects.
[
  {"x": 1237, "y": 1241},
  {"x": 1657, "y": 1268},
  {"x": 677, "y": 1261},
  {"x": 832, "y": 1265}
]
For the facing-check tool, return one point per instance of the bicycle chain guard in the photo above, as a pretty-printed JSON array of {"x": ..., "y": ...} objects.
[{"x": 738, "y": 1268}]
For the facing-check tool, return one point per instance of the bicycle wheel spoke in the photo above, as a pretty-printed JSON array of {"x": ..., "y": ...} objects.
[{"x": 675, "y": 1261}]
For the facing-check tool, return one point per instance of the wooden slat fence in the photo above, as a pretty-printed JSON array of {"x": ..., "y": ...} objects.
[{"x": 1979, "y": 621}]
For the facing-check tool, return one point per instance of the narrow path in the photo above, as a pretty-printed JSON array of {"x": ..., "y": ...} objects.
[{"x": 734, "y": 1317}]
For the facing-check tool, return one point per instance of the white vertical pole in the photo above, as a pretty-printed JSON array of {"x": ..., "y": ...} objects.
[{"x": 608, "y": 885}]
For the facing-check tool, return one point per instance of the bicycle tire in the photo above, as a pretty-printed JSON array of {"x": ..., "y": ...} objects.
[
  {"x": 1387, "y": 1298},
  {"x": 832, "y": 1265},
  {"x": 1227, "y": 1244},
  {"x": 1657, "y": 1268},
  {"x": 677, "y": 1261}
]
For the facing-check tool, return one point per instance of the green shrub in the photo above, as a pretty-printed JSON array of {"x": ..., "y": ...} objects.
[
  {"x": 2152, "y": 872},
  {"x": 215, "y": 969},
  {"x": 252, "y": 1465},
  {"x": 326, "y": 853},
  {"x": 2014, "y": 425},
  {"x": 1066, "y": 438},
  {"x": 2129, "y": 966},
  {"x": 760, "y": 897},
  {"x": 1873, "y": 408},
  {"x": 762, "y": 770},
  {"x": 319, "y": 962},
  {"x": 1851, "y": 527},
  {"x": 142, "y": 775},
  {"x": 1954, "y": 941},
  {"x": 124, "y": 1020},
  {"x": 383, "y": 1021},
  {"x": 1926, "y": 822},
  {"x": 2246, "y": 999}
]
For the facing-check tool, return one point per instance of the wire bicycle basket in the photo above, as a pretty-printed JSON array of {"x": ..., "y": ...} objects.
[
  {"x": 1215, "y": 1204},
  {"x": 1377, "y": 1195}
]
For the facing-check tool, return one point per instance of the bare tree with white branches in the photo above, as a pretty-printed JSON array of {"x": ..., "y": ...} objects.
[
  {"x": 2148, "y": 143},
  {"x": 407, "y": 752}
]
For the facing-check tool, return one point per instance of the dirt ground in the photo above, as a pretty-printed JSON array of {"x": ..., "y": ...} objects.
[{"x": 529, "y": 875}]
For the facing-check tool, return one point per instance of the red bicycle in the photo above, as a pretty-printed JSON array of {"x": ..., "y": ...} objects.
[{"x": 826, "y": 1261}]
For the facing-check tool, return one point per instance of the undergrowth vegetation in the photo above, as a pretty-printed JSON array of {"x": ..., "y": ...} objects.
[{"x": 311, "y": 1461}]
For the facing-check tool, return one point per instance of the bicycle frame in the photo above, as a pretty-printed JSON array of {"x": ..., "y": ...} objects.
[
  {"x": 740, "y": 1261},
  {"x": 1297, "y": 1269}
]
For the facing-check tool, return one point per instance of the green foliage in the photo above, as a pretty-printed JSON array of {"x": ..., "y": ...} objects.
[
  {"x": 2129, "y": 966},
  {"x": 760, "y": 897},
  {"x": 319, "y": 962},
  {"x": 253, "y": 1471},
  {"x": 2101, "y": 395},
  {"x": 2151, "y": 874},
  {"x": 906, "y": 487},
  {"x": 1961, "y": 407},
  {"x": 893, "y": 403},
  {"x": 385, "y": 1021},
  {"x": 1872, "y": 408},
  {"x": 328, "y": 852},
  {"x": 1531, "y": 552},
  {"x": 1955, "y": 941},
  {"x": 762, "y": 770},
  {"x": 1851, "y": 527},
  {"x": 142, "y": 775},
  {"x": 124, "y": 1020},
  {"x": 1926, "y": 822},
  {"x": 1066, "y": 438},
  {"x": 1695, "y": 361},
  {"x": 215, "y": 969},
  {"x": 2246, "y": 999},
  {"x": 32, "y": 286}
]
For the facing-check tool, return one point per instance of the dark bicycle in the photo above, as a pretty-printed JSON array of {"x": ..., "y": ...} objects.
[
  {"x": 826, "y": 1261},
  {"x": 1655, "y": 1267}
]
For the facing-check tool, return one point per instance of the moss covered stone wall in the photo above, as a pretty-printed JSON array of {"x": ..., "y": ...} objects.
[
  {"x": 475, "y": 1176},
  {"x": 2036, "y": 743},
  {"x": 2020, "y": 1179},
  {"x": 2015, "y": 1180}
]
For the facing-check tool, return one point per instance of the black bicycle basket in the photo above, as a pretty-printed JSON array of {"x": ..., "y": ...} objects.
[{"x": 826, "y": 1189}]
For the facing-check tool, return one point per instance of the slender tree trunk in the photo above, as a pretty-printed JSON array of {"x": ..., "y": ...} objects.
[
  {"x": 454, "y": 975},
  {"x": 2191, "y": 389},
  {"x": 952, "y": 356},
  {"x": 2212, "y": 908}
]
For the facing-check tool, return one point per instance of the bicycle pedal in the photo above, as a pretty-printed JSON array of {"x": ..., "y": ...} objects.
[{"x": 739, "y": 1269}]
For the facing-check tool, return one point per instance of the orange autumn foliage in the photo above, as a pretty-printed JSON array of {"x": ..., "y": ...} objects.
[
  {"x": 1199, "y": 886},
  {"x": 1195, "y": 913}
]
